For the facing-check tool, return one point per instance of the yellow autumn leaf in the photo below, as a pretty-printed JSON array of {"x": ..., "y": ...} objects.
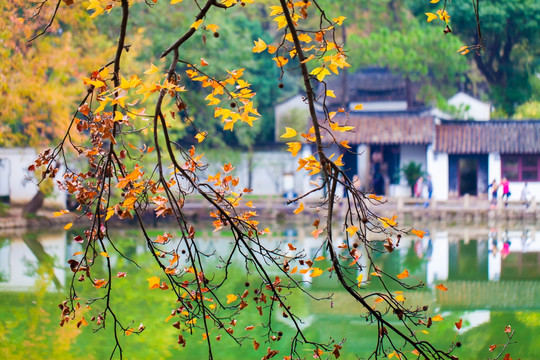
[
  {"x": 404, "y": 274},
  {"x": 212, "y": 27},
  {"x": 400, "y": 298},
  {"x": 330, "y": 93},
  {"x": 68, "y": 226},
  {"x": 294, "y": 147},
  {"x": 153, "y": 69},
  {"x": 320, "y": 73},
  {"x": 200, "y": 136},
  {"x": 320, "y": 258},
  {"x": 110, "y": 213},
  {"x": 359, "y": 279},
  {"x": 388, "y": 222},
  {"x": 289, "y": 133},
  {"x": 196, "y": 24},
  {"x": 345, "y": 144},
  {"x": 231, "y": 298},
  {"x": 305, "y": 38},
  {"x": 339, "y": 20},
  {"x": 431, "y": 17},
  {"x": 153, "y": 282},
  {"x": 437, "y": 318},
  {"x": 60, "y": 213},
  {"x": 280, "y": 61},
  {"x": 434, "y": 1},
  {"x": 359, "y": 107},
  {"x": 352, "y": 230},
  {"x": 260, "y": 46},
  {"x": 176, "y": 1},
  {"x": 299, "y": 209},
  {"x": 316, "y": 272},
  {"x": 339, "y": 161},
  {"x": 103, "y": 253}
]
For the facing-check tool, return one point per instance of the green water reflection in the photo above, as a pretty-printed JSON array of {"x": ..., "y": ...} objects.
[{"x": 492, "y": 276}]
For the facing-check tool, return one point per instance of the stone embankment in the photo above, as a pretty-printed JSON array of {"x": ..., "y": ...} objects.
[
  {"x": 465, "y": 210},
  {"x": 14, "y": 219}
]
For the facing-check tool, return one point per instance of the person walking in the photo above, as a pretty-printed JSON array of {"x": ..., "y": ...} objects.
[
  {"x": 418, "y": 185},
  {"x": 494, "y": 193},
  {"x": 429, "y": 188},
  {"x": 506, "y": 190},
  {"x": 525, "y": 196}
]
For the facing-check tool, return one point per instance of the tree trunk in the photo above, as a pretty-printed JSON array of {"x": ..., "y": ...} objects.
[{"x": 34, "y": 205}]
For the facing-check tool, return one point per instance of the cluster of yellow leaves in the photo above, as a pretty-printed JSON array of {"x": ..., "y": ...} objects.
[
  {"x": 100, "y": 6},
  {"x": 440, "y": 14},
  {"x": 329, "y": 55},
  {"x": 234, "y": 89}
]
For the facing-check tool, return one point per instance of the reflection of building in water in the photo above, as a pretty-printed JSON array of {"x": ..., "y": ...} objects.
[
  {"x": 22, "y": 258},
  {"x": 503, "y": 255}
]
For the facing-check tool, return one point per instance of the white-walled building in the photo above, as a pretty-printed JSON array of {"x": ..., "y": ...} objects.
[{"x": 18, "y": 185}]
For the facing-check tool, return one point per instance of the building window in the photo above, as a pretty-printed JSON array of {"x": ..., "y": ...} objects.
[{"x": 521, "y": 168}]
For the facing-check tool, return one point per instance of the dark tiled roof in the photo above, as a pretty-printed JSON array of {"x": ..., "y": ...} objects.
[
  {"x": 373, "y": 84},
  {"x": 482, "y": 137},
  {"x": 387, "y": 128}
]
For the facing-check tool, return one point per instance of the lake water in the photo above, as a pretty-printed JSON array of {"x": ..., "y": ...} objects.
[{"x": 492, "y": 275}]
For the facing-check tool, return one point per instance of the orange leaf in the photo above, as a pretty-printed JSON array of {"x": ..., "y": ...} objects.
[
  {"x": 299, "y": 209},
  {"x": 459, "y": 324},
  {"x": 68, "y": 226},
  {"x": 403, "y": 275},
  {"x": 352, "y": 230},
  {"x": 319, "y": 258},
  {"x": 291, "y": 247},
  {"x": 418, "y": 233},
  {"x": 98, "y": 283},
  {"x": 437, "y": 318},
  {"x": 442, "y": 287},
  {"x": 153, "y": 282},
  {"x": 316, "y": 233}
]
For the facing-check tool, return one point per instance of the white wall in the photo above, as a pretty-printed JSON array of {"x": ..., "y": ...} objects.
[
  {"x": 416, "y": 153},
  {"x": 283, "y": 109},
  {"x": 363, "y": 163},
  {"x": 437, "y": 167},
  {"x": 268, "y": 168},
  {"x": 438, "y": 263},
  {"x": 19, "y": 262},
  {"x": 21, "y": 183},
  {"x": 476, "y": 109},
  {"x": 494, "y": 170}
]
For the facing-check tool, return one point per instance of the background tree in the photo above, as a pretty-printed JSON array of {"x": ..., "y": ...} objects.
[
  {"x": 53, "y": 66},
  {"x": 511, "y": 54}
]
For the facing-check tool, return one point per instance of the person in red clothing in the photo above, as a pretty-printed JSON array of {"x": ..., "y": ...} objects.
[{"x": 506, "y": 190}]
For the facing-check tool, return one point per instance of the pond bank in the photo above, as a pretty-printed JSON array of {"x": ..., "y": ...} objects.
[{"x": 466, "y": 210}]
